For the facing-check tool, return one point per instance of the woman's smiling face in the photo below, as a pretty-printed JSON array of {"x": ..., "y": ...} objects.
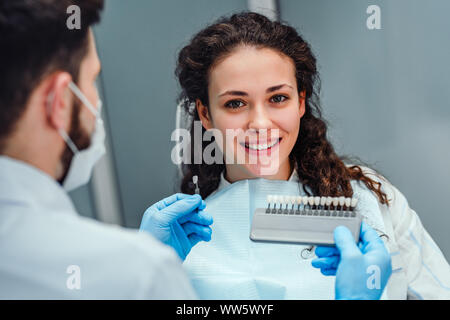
[{"x": 255, "y": 90}]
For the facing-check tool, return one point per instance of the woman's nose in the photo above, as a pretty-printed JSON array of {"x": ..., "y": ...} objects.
[{"x": 259, "y": 118}]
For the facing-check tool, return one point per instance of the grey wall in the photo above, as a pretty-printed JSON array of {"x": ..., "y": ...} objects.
[
  {"x": 137, "y": 42},
  {"x": 386, "y": 92}
]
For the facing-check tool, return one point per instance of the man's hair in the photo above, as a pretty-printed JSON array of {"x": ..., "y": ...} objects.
[{"x": 35, "y": 41}]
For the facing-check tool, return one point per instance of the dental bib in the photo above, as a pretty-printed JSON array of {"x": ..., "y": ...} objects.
[{"x": 231, "y": 266}]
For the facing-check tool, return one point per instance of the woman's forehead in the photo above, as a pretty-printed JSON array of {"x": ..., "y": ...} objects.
[{"x": 252, "y": 68}]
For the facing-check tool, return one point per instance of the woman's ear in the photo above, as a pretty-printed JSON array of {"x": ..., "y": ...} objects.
[
  {"x": 302, "y": 99},
  {"x": 203, "y": 113}
]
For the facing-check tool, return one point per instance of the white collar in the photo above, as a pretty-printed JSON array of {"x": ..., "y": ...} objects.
[{"x": 23, "y": 183}]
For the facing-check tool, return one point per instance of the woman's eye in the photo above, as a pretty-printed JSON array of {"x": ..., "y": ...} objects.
[
  {"x": 234, "y": 104},
  {"x": 278, "y": 98}
]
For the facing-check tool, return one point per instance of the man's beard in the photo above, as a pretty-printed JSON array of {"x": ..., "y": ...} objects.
[{"x": 80, "y": 138}]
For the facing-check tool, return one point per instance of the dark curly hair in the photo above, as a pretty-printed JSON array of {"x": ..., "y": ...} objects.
[{"x": 317, "y": 164}]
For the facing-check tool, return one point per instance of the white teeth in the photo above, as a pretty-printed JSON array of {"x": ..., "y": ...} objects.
[
  {"x": 348, "y": 201},
  {"x": 261, "y": 146},
  {"x": 287, "y": 199},
  {"x": 280, "y": 199},
  {"x": 316, "y": 201},
  {"x": 337, "y": 202},
  {"x": 305, "y": 200},
  {"x": 293, "y": 199}
]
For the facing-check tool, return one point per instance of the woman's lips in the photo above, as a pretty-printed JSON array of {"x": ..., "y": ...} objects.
[{"x": 258, "y": 148}]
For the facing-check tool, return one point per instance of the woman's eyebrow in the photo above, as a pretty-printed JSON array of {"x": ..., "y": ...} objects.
[
  {"x": 243, "y": 93},
  {"x": 275, "y": 88},
  {"x": 234, "y": 93}
]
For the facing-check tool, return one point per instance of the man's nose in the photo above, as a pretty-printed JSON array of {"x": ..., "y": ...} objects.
[{"x": 259, "y": 118}]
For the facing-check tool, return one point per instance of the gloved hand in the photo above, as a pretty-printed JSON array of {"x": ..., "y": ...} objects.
[
  {"x": 178, "y": 221},
  {"x": 361, "y": 271}
]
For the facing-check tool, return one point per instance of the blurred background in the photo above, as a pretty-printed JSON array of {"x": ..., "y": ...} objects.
[{"x": 385, "y": 93}]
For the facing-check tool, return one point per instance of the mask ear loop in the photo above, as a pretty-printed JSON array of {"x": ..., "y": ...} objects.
[
  {"x": 69, "y": 141},
  {"x": 99, "y": 110},
  {"x": 83, "y": 98}
]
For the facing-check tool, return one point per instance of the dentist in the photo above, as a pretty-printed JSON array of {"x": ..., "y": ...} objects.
[{"x": 51, "y": 136}]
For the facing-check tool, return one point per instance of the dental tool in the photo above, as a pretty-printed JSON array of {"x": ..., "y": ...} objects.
[
  {"x": 195, "y": 181},
  {"x": 305, "y": 219}
]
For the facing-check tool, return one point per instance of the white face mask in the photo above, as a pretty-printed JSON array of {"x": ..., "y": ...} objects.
[{"x": 83, "y": 161}]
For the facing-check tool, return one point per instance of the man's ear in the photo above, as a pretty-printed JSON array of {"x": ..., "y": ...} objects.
[
  {"x": 204, "y": 115},
  {"x": 58, "y": 101},
  {"x": 302, "y": 100}
]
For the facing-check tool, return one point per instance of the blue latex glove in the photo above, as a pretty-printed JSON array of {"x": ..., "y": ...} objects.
[
  {"x": 178, "y": 221},
  {"x": 361, "y": 271}
]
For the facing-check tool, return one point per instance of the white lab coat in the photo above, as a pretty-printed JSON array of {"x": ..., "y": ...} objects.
[
  {"x": 420, "y": 270},
  {"x": 48, "y": 251}
]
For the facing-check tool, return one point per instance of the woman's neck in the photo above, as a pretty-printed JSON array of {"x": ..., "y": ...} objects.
[{"x": 236, "y": 172}]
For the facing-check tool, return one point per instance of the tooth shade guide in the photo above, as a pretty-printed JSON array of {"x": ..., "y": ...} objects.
[
  {"x": 304, "y": 225},
  {"x": 311, "y": 205}
]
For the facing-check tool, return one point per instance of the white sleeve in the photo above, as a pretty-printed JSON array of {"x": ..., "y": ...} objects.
[
  {"x": 164, "y": 277},
  {"x": 427, "y": 270},
  {"x": 172, "y": 283}
]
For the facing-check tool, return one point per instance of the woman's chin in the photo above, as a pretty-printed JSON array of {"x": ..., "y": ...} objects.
[{"x": 262, "y": 170}]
